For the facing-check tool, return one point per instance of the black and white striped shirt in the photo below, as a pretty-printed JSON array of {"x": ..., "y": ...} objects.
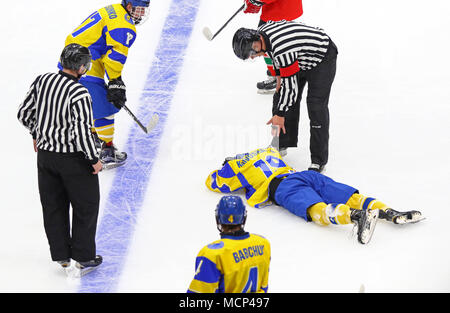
[
  {"x": 57, "y": 111},
  {"x": 293, "y": 46}
]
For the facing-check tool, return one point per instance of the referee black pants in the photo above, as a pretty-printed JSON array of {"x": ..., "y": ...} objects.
[
  {"x": 66, "y": 179},
  {"x": 319, "y": 81}
]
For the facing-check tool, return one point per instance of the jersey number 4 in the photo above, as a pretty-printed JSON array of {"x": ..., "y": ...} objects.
[{"x": 252, "y": 281}]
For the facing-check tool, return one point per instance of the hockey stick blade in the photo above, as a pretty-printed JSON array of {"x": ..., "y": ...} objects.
[
  {"x": 208, "y": 34},
  {"x": 152, "y": 123}
]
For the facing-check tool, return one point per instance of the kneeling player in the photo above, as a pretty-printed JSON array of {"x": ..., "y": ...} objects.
[
  {"x": 313, "y": 196},
  {"x": 239, "y": 261}
]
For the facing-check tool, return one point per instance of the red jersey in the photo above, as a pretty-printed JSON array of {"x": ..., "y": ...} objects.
[{"x": 277, "y": 10}]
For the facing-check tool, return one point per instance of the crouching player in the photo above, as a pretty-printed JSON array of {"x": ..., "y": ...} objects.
[
  {"x": 109, "y": 33},
  {"x": 315, "y": 197},
  {"x": 239, "y": 261}
]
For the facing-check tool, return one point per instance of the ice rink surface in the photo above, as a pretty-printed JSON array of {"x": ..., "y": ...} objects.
[{"x": 389, "y": 137}]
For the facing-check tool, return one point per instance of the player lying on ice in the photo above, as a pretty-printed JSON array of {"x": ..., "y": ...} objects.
[{"x": 267, "y": 179}]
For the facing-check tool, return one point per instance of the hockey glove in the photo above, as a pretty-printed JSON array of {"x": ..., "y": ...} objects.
[
  {"x": 116, "y": 92},
  {"x": 250, "y": 7}
]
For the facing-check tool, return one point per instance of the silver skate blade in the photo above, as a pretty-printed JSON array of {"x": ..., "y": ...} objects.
[
  {"x": 152, "y": 123},
  {"x": 87, "y": 270},
  {"x": 207, "y": 33},
  {"x": 367, "y": 233},
  {"x": 265, "y": 92},
  {"x": 414, "y": 220},
  {"x": 74, "y": 272},
  {"x": 110, "y": 166},
  {"x": 417, "y": 220}
]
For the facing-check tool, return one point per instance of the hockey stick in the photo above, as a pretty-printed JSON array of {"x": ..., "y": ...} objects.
[
  {"x": 207, "y": 32},
  {"x": 153, "y": 121}
]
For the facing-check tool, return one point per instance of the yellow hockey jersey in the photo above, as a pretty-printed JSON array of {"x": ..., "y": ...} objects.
[
  {"x": 108, "y": 33},
  {"x": 253, "y": 171},
  {"x": 233, "y": 264}
]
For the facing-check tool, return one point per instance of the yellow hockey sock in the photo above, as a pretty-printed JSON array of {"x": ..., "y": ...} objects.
[
  {"x": 359, "y": 202},
  {"x": 326, "y": 214},
  {"x": 105, "y": 128}
]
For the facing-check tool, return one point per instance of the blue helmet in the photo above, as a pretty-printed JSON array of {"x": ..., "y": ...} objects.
[
  {"x": 139, "y": 11},
  {"x": 231, "y": 211},
  {"x": 137, "y": 3}
]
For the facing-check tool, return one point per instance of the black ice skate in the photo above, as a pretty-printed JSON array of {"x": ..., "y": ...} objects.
[
  {"x": 401, "y": 218},
  {"x": 365, "y": 221},
  {"x": 82, "y": 268},
  {"x": 283, "y": 151},
  {"x": 316, "y": 167},
  {"x": 267, "y": 86},
  {"x": 111, "y": 157}
]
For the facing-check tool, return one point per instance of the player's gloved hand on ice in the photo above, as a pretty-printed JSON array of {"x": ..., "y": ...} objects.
[
  {"x": 116, "y": 93},
  {"x": 251, "y": 6}
]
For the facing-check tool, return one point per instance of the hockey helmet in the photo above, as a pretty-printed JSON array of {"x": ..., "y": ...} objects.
[
  {"x": 139, "y": 11},
  {"x": 242, "y": 42},
  {"x": 231, "y": 211},
  {"x": 137, "y": 3},
  {"x": 74, "y": 56}
]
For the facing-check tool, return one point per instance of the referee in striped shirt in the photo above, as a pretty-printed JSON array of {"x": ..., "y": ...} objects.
[
  {"x": 57, "y": 112},
  {"x": 301, "y": 54}
]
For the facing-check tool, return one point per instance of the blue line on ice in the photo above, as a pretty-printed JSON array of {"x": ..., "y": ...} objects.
[{"x": 129, "y": 186}]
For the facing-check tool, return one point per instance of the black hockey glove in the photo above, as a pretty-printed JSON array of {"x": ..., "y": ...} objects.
[
  {"x": 116, "y": 93},
  {"x": 227, "y": 159}
]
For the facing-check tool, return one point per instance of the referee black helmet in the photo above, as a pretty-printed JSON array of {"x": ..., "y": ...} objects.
[{"x": 74, "y": 56}]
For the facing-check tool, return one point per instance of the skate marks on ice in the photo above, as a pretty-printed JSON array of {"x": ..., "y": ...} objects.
[{"x": 121, "y": 209}]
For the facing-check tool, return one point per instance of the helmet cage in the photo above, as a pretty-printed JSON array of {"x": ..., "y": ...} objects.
[
  {"x": 139, "y": 14},
  {"x": 140, "y": 10}
]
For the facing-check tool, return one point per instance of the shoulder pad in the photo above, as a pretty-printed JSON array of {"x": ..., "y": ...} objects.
[{"x": 216, "y": 245}]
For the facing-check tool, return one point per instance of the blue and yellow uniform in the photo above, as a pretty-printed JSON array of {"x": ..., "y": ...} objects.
[
  {"x": 108, "y": 33},
  {"x": 233, "y": 264},
  {"x": 253, "y": 171},
  {"x": 306, "y": 194}
]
